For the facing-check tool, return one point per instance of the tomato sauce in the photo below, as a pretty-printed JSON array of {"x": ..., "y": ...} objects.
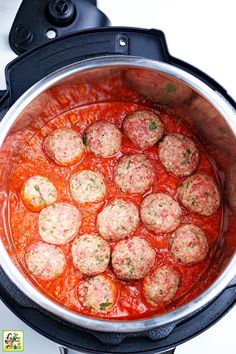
[{"x": 24, "y": 223}]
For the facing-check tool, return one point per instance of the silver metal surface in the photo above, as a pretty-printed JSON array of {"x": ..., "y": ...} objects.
[{"x": 13, "y": 120}]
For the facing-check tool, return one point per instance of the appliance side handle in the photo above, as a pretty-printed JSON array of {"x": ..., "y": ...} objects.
[
  {"x": 63, "y": 350},
  {"x": 203, "y": 77},
  {"x": 29, "y": 68}
]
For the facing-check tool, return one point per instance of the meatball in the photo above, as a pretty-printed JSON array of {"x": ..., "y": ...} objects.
[
  {"x": 98, "y": 293},
  {"x": 45, "y": 261},
  {"x": 38, "y": 192},
  {"x": 117, "y": 220},
  {"x": 91, "y": 254},
  {"x": 59, "y": 223},
  {"x": 160, "y": 285},
  {"x": 143, "y": 128},
  {"x": 134, "y": 174},
  {"x": 64, "y": 147},
  {"x": 200, "y": 194},
  {"x": 132, "y": 258},
  {"x": 188, "y": 244},
  {"x": 103, "y": 138},
  {"x": 87, "y": 186},
  {"x": 178, "y": 154},
  {"x": 160, "y": 213}
]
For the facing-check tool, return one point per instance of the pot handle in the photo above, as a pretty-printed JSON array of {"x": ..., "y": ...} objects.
[{"x": 29, "y": 68}]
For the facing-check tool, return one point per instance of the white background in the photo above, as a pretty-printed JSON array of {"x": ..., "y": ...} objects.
[{"x": 202, "y": 33}]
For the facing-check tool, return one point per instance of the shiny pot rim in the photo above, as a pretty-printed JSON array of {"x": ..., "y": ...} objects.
[{"x": 20, "y": 280}]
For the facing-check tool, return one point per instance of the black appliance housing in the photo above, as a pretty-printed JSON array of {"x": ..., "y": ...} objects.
[{"x": 41, "y": 61}]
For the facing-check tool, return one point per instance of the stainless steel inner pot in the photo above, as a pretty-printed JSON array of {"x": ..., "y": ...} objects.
[{"x": 210, "y": 117}]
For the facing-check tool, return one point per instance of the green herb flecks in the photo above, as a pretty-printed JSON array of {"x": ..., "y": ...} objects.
[
  {"x": 131, "y": 272},
  {"x": 128, "y": 261},
  {"x": 36, "y": 187},
  {"x": 128, "y": 165},
  {"x": 85, "y": 140},
  {"x": 222, "y": 130},
  {"x": 170, "y": 88},
  {"x": 104, "y": 305},
  {"x": 152, "y": 126}
]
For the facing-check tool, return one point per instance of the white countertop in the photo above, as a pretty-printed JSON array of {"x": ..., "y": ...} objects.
[{"x": 200, "y": 32}]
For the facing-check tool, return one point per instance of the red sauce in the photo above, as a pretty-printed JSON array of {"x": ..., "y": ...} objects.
[{"x": 24, "y": 223}]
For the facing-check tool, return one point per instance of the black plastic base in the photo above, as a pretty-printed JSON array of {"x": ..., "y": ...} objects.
[
  {"x": 150, "y": 43},
  {"x": 76, "y": 338}
]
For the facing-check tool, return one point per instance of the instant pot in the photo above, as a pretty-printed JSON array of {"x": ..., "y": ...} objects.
[{"x": 136, "y": 58}]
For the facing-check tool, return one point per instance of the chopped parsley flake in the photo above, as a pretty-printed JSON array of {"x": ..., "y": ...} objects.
[
  {"x": 85, "y": 140},
  {"x": 36, "y": 187},
  {"x": 152, "y": 126},
  {"x": 104, "y": 305},
  {"x": 170, "y": 88},
  {"x": 222, "y": 130},
  {"x": 128, "y": 165},
  {"x": 131, "y": 272},
  {"x": 188, "y": 151},
  {"x": 128, "y": 261}
]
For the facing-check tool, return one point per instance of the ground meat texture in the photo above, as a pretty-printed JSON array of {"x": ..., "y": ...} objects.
[
  {"x": 117, "y": 220},
  {"x": 45, "y": 261},
  {"x": 98, "y": 293},
  {"x": 178, "y": 154},
  {"x": 200, "y": 194},
  {"x": 160, "y": 213},
  {"x": 87, "y": 186},
  {"x": 91, "y": 254},
  {"x": 103, "y": 138},
  {"x": 188, "y": 244},
  {"x": 160, "y": 285},
  {"x": 132, "y": 258},
  {"x": 143, "y": 128},
  {"x": 64, "y": 147},
  {"x": 38, "y": 192},
  {"x": 59, "y": 223},
  {"x": 134, "y": 174}
]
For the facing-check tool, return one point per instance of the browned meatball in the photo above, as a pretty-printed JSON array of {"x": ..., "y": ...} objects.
[
  {"x": 103, "y": 138},
  {"x": 45, "y": 261},
  {"x": 143, "y": 128},
  {"x": 188, "y": 244},
  {"x": 134, "y": 174},
  {"x": 178, "y": 154},
  {"x": 98, "y": 293},
  {"x": 200, "y": 194},
  {"x": 117, "y": 220},
  {"x": 160, "y": 285},
  {"x": 160, "y": 212},
  {"x": 91, "y": 254},
  {"x": 59, "y": 223},
  {"x": 64, "y": 146},
  {"x": 132, "y": 258},
  {"x": 38, "y": 192}
]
